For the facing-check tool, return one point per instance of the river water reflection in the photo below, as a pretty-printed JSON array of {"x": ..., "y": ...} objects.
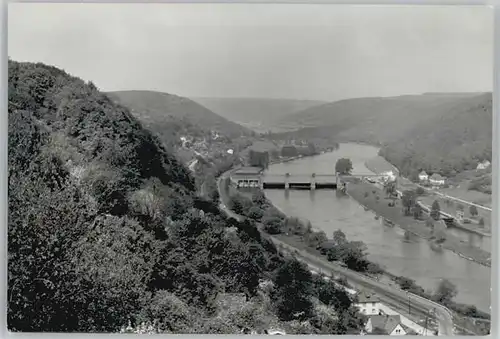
[{"x": 387, "y": 245}]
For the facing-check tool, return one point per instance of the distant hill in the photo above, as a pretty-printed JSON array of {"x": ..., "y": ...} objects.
[
  {"x": 368, "y": 118},
  {"x": 450, "y": 142},
  {"x": 257, "y": 113},
  {"x": 433, "y": 126},
  {"x": 207, "y": 136},
  {"x": 155, "y": 107}
]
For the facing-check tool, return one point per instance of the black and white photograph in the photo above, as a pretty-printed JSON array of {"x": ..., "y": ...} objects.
[{"x": 250, "y": 168}]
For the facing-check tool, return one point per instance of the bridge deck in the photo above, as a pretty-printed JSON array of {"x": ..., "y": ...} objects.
[{"x": 306, "y": 178}]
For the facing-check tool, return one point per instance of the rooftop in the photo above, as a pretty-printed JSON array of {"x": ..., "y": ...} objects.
[
  {"x": 436, "y": 176},
  {"x": 248, "y": 170},
  {"x": 385, "y": 322},
  {"x": 364, "y": 298}
]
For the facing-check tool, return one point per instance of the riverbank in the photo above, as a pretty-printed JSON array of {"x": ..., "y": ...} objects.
[
  {"x": 296, "y": 240},
  {"x": 447, "y": 203},
  {"x": 393, "y": 214},
  {"x": 366, "y": 195}
]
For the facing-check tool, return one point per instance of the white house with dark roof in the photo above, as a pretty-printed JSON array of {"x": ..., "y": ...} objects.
[
  {"x": 436, "y": 179},
  {"x": 368, "y": 304},
  {"x": 423, "y": 176}
]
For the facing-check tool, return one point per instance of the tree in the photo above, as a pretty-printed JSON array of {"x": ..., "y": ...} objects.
[
  {"x": 329, "y": 294},
  {"x": 460, "y": 207},
  {"x": 211, "y": 189},
  {"x": 353, "y": 254},
  {"x": 405, "y": 283},
  {"x": 473, "y": 210},
  {"x": 314, "y": 239},
  {"x": 272, "y": 224},
  {"x": 390, "y": 188},
  {"x": 339, "y": 237},
  {"x": 289, "y": 151},
  {"x": 445, "y": 292},
  {"x": 420, "y": 191},
  {"x": 255, "y": 213},
  {"x": 343, "y": 166},
  {"x": 259, "y": 198},
  {"x": 293, "y": 279},
  {"x": 435, "y": 210},
  {"x": 417, "y": 211},
  {"x": 236, "y": 205},
  {"x": 408, "y": 200},
  {"x": 481, "y": 222},
  {"x": 259, "y": 159}
]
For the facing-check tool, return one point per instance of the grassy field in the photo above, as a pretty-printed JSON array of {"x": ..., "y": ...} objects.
[
  {"x": 408, "y": 223},
  {"x": 450, "y": 206},
  {"x": 379, "y": 165},
  {"x": 473, "y": 196}
]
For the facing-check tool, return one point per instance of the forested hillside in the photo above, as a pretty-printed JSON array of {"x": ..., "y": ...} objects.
[
  {"x": 437, "y": 132},
  {"x": 259, "y": 113},
  {"x": 196, "y": 135},
  {"x": 153, "y": 106},
  {"x": 105, "y": 230},
  {"x": 447, "y": 143}
]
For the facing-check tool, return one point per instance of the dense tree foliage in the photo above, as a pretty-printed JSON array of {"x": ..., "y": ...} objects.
[
  {"x": 293, "y": 279},
  {"x": 408, "y": 200},
  {"x": 106, "y": 227},
  {"x": 473, "y": 210},
  {"x": 445, "y": 292},
  {"x": 343, "y": 166},
  {"x": 435, "y": 210},
  {"x": 258, "y": 159}
]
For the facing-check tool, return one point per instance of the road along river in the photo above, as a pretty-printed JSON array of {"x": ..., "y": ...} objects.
[{"x": 387, "y": 246}]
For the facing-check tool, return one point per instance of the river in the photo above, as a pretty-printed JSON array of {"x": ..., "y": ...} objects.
[{"x": 387, "y": 246}]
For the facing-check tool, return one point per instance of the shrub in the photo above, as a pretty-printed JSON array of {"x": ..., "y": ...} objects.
[
  {"x": 255, "y": 213},
  {"x": 420, "y": 191}
]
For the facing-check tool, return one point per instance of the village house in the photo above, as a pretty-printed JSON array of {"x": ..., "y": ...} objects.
[
  {"x": 385, "y": 324},
  {"x": 483, "y": 165},
  {"x": 423, "y": 176},
  {"x": 368, "y": 304},
  {"x": 436, "y": 180}
]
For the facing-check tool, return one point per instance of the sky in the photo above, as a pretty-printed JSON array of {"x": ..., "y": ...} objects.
[{"x": 320, "y": 52}]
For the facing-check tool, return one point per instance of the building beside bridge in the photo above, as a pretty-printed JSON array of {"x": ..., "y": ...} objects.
[{"x": 247, "y": 177}]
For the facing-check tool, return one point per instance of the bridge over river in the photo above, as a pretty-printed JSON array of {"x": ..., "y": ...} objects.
[
  {"x": 254, "y": 177},
  {"x": 308, "y": 181}
]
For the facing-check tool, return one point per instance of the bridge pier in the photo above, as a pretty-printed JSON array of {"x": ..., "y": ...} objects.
[
  {"x": 313, "y": 181},
  {"x": 287, "y": 181}
]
